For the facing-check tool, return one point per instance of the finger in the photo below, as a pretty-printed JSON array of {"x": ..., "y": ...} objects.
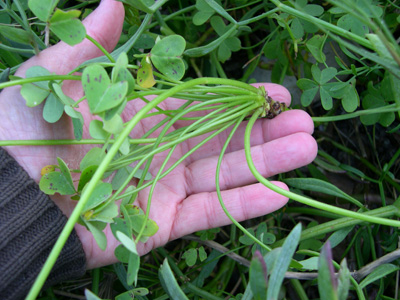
[
  {"x": 104, "y": 24},
  {"x": 264, "y": 130},
  {"x": 277, "y": 156},
  {"x": 203, "y": 211}
]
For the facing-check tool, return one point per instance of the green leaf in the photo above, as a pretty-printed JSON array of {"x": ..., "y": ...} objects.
[
  {"x": 352, "y": 24},
  {"x": 297, "y": 28},
  {"x": 258, "y": 277},
  {"x": 165, "y": 56},
  {"x": 95, "y": 81},
  {"x": 92, "y": 158},
  {"x": 42, "y": 8},
  {"x": 379, "y": 272},
  {"x": 100, "y": 194},
  {"x": 129, "y": 295},
  {"x": 201, "y": 17},
  {"x": 61, "y": 96},
  {"x": 327, "y": 282},
  {"x": 55, "y": 182},
  {"x": 308, "y": 96},
  {"x": 133, "y": 268},
  {"x": 121, "y": 73},
  {"x": 127, "y": 242},
  {"x": 202, "y": 254},
  {"x": 96, "y": 228},
  {"x": 100, "y": 92},
  {"x": 77, "y": 121},
  {"x": 313, "y": 10},
  {"x": 310, "y": 264},
  {"x": 190, "y": 256},
  {"x": 91, "y": 296},
  {"x": 120, "y": 225},
  {"x": 122, "y": 254},
  {"x": 16, "y": 34},
  {"x": 67, "y": 27},
  {"x": 316, "y": 73},
  {"x": 338, "y": 236},
  {"x": 123, "y": 173},
  {"x": 137, "y": 222},
  {"x": 86, "y": 175},
  {"x": 33, "y": 94},
  {"x": 205, "y": 9},
  {"x": 114, "y": 125},
  {"x": 224, "y": 53},
  {"x": 106, "y": 214},
  {"x": 350, "y": 100},
  {"x": 53, "y": 109},
  {"x": 203, "y": 50},
  {"x": 219, "y": 25},
  {"x": 233, "y": 43},
  {"x": 315, "y": 46},
  {"x": 145, "y": 77},
  {"x": 327, "y": 74},
  {"x": 282, "y": 262},
  {"x": 344, "y": 281},
  {"x": 371, "y": 101},
  {"x": 326, "y": 99},
  {"x": 169, "y": 282},
  {"x": 321, "y": 186},
  {"x": 306, "y": 84},
  {"x": 96, "y": 130}
]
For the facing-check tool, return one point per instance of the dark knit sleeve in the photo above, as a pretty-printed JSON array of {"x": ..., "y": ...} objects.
[{"x": 30, "y": 224}]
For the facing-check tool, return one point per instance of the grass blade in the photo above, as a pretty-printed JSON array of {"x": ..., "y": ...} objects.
[
  {"x": 169, "y": 282},
  {"x": 282, "y": 263}
]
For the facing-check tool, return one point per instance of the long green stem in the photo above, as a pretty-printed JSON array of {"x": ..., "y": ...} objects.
[
  {"x": 218, "y": 188},
  {"x": 69, "y": 142},
  {"x": 98, "y": 45},
  {"x": 302, "y": 199},
  {"x": 37, "y": 79},
  {"x": 384, "y": 109}
]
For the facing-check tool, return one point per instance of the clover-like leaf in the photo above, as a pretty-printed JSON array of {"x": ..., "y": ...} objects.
[
  {"x": 35, "y": 93},
  {"x": 86, "y": 175},
  {"x": 96, "y": 130},
  {"x": 145, "y": 77},
  {"x": 100, "y": 194},
  {"x": 100, "y": 92},
  {"x": 315, "y": 46},
  {"x": 96, "y": 228},
  {"x": 205, "y": 11},
  {"x": 42, "y": 8},
  {"x": 67, "y": 27},
  {"x": 166, "y": 56},
  {"x": 77, "y": 121},
  {"x": 150, "y": 227},
  {"x": 58, "y": 182},
  {"x": 190, "y": 256},
  {"x": 92, "y": 158}
]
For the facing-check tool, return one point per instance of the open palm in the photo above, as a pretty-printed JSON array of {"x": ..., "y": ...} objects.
[{"x": 184, "y": 201}]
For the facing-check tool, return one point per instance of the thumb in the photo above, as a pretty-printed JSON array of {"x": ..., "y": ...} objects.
[{"x": 104, "y": 24}]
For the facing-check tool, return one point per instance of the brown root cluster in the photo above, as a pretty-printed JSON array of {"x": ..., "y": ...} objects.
[{"x": 273, "y": 108}]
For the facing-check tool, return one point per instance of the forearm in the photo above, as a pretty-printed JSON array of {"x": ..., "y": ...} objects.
[{"x": 30, "y": 224}]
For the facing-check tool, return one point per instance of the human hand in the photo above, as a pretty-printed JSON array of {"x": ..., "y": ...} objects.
[{"x": 184, "y": 201}]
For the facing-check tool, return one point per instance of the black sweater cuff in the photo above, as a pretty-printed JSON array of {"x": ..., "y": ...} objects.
[{"x": 30, "y": 224}]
